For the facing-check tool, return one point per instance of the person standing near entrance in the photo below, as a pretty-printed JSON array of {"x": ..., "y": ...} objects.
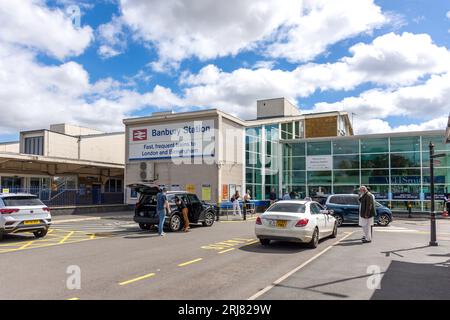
[
  {"x": 247, "y": 198},
  {"x": 235, "y": 202},
  {"x": 272, "y": 196},
  {"x": 447, "y": 203},
  {"x": 161, "y": 206},
  {"x": 286, "y": 195},
  {"x": 184, "y": 210},
  {"x": 367, "y": 212}
]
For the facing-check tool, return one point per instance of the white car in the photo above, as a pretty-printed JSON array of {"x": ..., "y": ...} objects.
[
  {"x": 297, "y": 221},
  {"x": 21, "y": 212}
]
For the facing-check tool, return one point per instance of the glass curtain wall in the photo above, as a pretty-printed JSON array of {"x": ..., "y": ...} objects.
[
  {"x": 396, "y": 169},
  {"x": 253, "y": 154}
]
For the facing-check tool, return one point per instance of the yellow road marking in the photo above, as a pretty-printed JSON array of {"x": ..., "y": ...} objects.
[
  {"x": 234, "y": 241},
  {"x": 67, "y": 237},
  {"x": 74, "y": 298},
  {"x": 26, "y": 245},
  {"x": 229, "y": 243},
  {"x": 190, "y": 262},
  {"x": 231, "y": 249},
  {"x": 252, "y": 242},
  {"x": 59, "y": 237},
  {"x": 137, "y": 279}
]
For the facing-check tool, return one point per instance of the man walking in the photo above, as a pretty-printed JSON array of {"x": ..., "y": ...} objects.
[
  {"x": 161, "y": 206},
  {"x": 367, "y": 212}
]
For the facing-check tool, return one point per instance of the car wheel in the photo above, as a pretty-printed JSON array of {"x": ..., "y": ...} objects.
[
  {"x": 145, "y": 226},
  {"x": 40, "y": 233},
  {"x": 383, "y": 220},
  {"x": 209, "y": 219},
  {"x": 334, "y": 234},
  {"x": 264, "y": 242},
  {"x": 339, "y": 219},
  {"x": 315, "y": 239},
  {"x": 175, "y": 223}
]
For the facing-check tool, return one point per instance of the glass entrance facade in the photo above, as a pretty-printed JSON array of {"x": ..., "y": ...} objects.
[{"x": 394, "y": 166}]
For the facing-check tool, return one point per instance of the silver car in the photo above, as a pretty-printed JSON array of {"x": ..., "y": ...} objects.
[
  {"x": 21, "y": 212},
  {"x": 297, "y": 221}
]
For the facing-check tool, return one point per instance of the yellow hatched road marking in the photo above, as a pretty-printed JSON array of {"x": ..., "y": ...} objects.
[
  {"x": 75, "y": 298},
  {"x": 234, "y": 241},
  {"x": 231, "y": 249},
  {"x": 26, "y": 245},
  {"x": 58, "y": 237},
  {"x": 190, "y": 262},
  {"x": 137, "y": 279},
  {"x": 67, "y": 237}
]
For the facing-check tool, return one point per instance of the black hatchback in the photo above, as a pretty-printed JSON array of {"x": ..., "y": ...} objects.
[{"x": 146, "y": 216}]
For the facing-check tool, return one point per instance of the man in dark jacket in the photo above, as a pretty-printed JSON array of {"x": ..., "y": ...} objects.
[{"x": 367, "y": 212}]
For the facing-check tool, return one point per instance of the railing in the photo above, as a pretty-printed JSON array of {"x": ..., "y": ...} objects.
[
  {"x": 72, "y": 197},
  {"x": 225, "y": 209}
]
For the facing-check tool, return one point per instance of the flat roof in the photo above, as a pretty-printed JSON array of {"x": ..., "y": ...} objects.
[
  {"x": 183, "y": 115},
  {"x": 10, "y": 156},
  {"x": 216, "y": 112},
  {"x": 371, "y": 135}
]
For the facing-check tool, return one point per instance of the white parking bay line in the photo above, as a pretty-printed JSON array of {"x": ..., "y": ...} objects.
[
  {"x": 287, "y": 275},
  {"x": 76, "y": 220}
]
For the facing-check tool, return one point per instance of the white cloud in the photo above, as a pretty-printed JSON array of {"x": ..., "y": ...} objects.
[
  {"x": 264, "y": 64},
  {"x": 31, "y": 24},
  {"x": 448, "y": 14},
  {"x": 293, "y": 29},
  {"x": 33, "y": 95},
  {"x": 428, "y": 102},
  {"x": 324, "y": 23},
  {"x": 205, "y": 29},
  {"x": 112, "y": 37},
  {"x": 381, "y": 62}
]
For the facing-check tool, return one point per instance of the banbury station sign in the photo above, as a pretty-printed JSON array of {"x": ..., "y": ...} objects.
[{"x": 175, "y": 140}]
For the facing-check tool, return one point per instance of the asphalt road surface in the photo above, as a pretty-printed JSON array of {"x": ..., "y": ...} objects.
[{"x": 116, "y": 260}]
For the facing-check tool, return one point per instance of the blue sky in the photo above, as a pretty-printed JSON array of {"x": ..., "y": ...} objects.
[{"x": 388, "y": 62}]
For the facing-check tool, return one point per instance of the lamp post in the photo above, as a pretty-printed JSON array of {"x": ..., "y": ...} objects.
[{"x": 433, "y": 156}]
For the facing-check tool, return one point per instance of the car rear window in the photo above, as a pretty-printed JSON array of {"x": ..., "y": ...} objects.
[
  {"x": 22, "y": 201},
  {"x": 345, "y": 200},
  {"x": 287, "y": 207}
]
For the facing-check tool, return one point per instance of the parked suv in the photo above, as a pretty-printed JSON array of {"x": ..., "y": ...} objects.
[
  {"x": 21, "y": 212},
  {"x": 346, "y": 209},
  {"x": 145, "y": 212}
]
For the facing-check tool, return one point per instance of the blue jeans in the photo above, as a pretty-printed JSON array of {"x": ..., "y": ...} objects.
[{"x": 162, "y": 218}]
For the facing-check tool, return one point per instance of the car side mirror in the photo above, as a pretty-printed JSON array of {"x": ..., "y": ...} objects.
[{"x": 324, "y": 211}]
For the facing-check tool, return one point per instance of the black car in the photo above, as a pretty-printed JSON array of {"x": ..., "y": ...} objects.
[{"x": 145, "y": 211}]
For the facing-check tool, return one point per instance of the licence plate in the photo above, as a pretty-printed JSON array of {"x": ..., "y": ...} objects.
[
  {"x": 31, "y": 222},
  {"x": 281, "y": 223}
]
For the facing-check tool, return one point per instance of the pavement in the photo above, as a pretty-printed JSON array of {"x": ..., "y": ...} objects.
[{"x": 116, "y": 260}]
